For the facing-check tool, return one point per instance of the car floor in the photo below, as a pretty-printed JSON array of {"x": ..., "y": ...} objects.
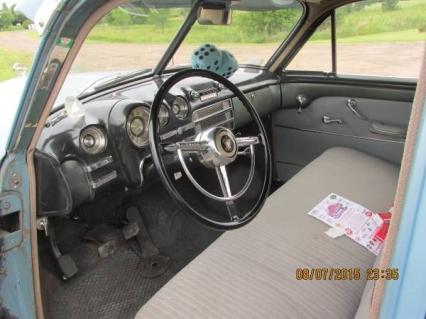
[{"x": 114, "y": 286}]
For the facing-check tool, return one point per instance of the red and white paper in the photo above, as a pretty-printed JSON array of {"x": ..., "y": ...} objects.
[{"x": 353, "y": 220}]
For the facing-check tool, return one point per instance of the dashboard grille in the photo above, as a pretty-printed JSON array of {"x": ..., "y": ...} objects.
[{"x": 218, "y": 114}]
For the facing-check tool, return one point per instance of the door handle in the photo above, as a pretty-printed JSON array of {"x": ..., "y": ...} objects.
[
  {"x": 328, "y": 120},
  {"x": 352, "y": 104}
]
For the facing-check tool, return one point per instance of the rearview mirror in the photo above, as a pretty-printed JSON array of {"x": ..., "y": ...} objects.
[{"x": 215, "y": 16}]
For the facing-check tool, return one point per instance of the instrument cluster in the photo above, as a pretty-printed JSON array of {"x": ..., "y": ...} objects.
[{"x": 138, "y": 117}]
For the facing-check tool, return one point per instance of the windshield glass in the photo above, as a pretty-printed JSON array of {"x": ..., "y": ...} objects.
[
  {"x": 130, "y": 38},
  {"x": 252, "y": 37},
  {"x": 136, "y": 35}
]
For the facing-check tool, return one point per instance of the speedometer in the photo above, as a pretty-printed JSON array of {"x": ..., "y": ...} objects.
[
  {"x": 180, "y": 107},
  {"x": 137, "y": 126}
]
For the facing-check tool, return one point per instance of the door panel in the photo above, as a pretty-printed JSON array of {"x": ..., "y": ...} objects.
[{"x": 369, "y": 118}]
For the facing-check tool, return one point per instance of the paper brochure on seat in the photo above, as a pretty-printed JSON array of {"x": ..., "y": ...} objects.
[{"x": 351, "y": 219}]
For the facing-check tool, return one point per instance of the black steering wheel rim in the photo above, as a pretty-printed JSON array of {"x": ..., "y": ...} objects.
[{"x": 160, "y": 165}]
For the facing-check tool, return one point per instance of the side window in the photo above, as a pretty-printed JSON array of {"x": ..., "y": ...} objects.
[
  {"x": 384, "y": 38},
  {"x": 316, "y": 53},
  {"x": 373, "y": 38}
]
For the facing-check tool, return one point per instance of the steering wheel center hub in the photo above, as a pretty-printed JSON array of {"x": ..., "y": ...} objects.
[{"x": 221, "y": 147}]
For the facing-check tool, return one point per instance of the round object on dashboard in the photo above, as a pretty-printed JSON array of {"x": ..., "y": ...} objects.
[
  {"x": 93, "y": 139},
  {"x": 89, "y": 141},
  {"x": 136, "y": 124},
  {"x": 163, "y": 115},
  {"x": 180, "y": 107}
]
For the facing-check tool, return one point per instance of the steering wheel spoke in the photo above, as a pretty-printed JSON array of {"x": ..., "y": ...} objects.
[
  {"x": 192, "y": 146},
  {"x": 187, "y": 146},
  {"x": 222, "y": 175},
  {"x": 247, "y": 141}
]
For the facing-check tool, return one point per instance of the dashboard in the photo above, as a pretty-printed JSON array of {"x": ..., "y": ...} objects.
[{"x": 107, "y": 149}]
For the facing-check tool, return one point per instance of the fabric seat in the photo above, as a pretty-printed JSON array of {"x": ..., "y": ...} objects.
[{"x": 250, "y": 273}]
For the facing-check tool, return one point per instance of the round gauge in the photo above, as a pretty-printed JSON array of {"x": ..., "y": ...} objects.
[
  {"x": 163, "y": 115},
  {"x": 180, "y": 107},
  {"x": 137, "y": 126},
  {"x": 93, "y": 139}
]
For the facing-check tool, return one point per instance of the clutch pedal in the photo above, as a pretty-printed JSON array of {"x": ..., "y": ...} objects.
[{"x": 66, "y": 263}]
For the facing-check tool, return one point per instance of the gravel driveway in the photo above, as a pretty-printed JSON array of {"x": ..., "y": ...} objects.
[{"x": 389, "y": 59}]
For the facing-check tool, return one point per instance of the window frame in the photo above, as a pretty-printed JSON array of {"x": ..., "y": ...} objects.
[{"x": 296, "y": 28}]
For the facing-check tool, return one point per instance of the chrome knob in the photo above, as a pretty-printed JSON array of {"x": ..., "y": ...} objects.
[{"x": 301, "y": 99}]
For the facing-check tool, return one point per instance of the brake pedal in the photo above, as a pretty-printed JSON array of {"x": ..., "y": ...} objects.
[{"x": 130, "y": 230}]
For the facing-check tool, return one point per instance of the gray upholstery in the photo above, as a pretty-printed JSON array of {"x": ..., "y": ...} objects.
[{"x": 250, "y": 273}]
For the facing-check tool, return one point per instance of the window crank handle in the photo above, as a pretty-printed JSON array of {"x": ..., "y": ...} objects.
[{"x": 302, "y": 101}]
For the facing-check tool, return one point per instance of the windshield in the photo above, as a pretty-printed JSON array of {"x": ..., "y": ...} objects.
[
  {"x": 136, "y": 35},
  {"x": 252, "y": 37},
  {"x": 128, "y": 39}
]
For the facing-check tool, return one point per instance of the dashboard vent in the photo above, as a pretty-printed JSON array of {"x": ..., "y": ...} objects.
[{"x": 218, "y": 114}]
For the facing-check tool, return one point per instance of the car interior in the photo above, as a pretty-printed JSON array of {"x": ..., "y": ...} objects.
[{"x": 185, "y": 193}]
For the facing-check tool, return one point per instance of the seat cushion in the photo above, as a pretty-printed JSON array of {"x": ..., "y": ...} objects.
[{"x": 250, "y": 272}]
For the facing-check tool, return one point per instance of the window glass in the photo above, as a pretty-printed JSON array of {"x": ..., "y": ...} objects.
[
  {"x": 136, "y": 35},
  {"x": 252, "y": 37},
  {"x": 20, "y": 27},
  {"x": 373, "y": 38},
  {"x": 315, "y": 55},
  {"x": 130, "y": 38},
  {"x": 383, "y": 38}
]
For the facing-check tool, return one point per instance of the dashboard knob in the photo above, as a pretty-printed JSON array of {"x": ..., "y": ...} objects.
[
  {"x": 89, "y": 141},
  {"x": 93, "y": 139},
  {"x": 194, "y": 94}
]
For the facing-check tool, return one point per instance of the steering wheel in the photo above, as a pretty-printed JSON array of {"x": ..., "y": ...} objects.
[{"x": 216, "y": 148}]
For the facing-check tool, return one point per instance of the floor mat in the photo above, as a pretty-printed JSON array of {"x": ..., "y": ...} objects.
[{"x": 114, "y": 289}]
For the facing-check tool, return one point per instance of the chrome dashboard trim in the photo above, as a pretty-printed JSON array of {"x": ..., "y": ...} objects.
[
  {"x": 225, "y": 105},
  {"x": 99, "y": 164},
  {"x": 104, "y": 179}
]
